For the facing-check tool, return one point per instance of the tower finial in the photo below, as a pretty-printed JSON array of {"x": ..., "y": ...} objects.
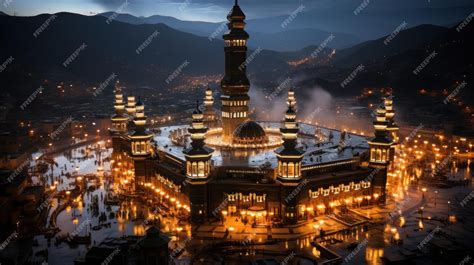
[{"x": 236, "y": 2}]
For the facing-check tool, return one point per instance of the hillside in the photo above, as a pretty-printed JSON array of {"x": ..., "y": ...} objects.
[{"x": 109, "y": 48}]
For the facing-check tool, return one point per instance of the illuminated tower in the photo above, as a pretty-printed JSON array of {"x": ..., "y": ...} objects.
[
  {"x": 379, "y": 160},
  {"x": 291, "y": 98},
  {"x": 119, "y": 120},
  {"x": 131, "y": 106},
  {"x": 209, "y": 114},
  {"x": 234, "y": 84},
  {"x": 198, "y": 167},
  {"x": 140, "y": 140},
  {"x": 289, "y": 164},
  {"x": 392, "y": 127}
]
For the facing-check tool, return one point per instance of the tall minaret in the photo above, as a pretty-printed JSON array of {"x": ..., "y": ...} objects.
[
  {"x": 198, "y": 167},
  {"x": 119, "y": 120},
  {"x": 291, "y": 98},
  {"x": 131, "y": 106},
  {"x": 289, "y": 165},
  {"x": 289, "y": 156},
  {"x": 235, "y": 84},
  {"x": 209, "y": 114},
  {"x": 392, "y": 127},
  {"x": 140, "y": 140},
  {"x": 380, "y": 147}
]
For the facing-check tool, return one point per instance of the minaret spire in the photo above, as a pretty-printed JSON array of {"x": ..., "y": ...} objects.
[
  {"x": 235, "y": 84},
  {"x": 119, "y": 120}
]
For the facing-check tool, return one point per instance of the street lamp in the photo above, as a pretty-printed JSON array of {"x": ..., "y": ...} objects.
[{"x": 423, "y": 190}]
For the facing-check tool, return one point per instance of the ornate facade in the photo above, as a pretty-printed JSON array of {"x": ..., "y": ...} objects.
[{"x": 268, "y": 171}]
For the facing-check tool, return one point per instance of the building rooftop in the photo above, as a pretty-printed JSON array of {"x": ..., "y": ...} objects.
[{"x": 315, "y": 152}]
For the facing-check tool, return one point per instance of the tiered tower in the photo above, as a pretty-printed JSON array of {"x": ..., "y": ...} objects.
[
  {"x": 209, "y": 113},
  {"x": 234, "y": 84},
  {"x": 198, "y": 167},
  {"x": 291, "y": 98},
  {"x": 392, "y": 127},
  {"x": 380, "y": 147},
  {"x": 131, "y": 106},
  {"x": 119, "y": 120},
  {"x": 289, "y": 164},
  {"x": 140, "y": 140}
]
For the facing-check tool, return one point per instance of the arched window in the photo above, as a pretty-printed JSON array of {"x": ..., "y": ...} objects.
[
  {"x": 291, "y": 169},
  {"x": 194, "y": 169},
  {"x": 201, "y": 169}
]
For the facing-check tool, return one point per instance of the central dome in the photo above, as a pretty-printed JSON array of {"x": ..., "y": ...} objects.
[{"x": 249, "y": 132}]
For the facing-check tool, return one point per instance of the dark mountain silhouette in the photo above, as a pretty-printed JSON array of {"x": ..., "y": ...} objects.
[
  {"x": 372, "y": 51},
  {"x": 273, "y": 38},
  {"x": 110, "y": 48},
  {"x": 392, "y": 65}
]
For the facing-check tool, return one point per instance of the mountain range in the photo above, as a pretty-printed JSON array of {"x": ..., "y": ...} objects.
[
  {"x": 112, "y": 48},
  {"x": 266, "y": 38}
]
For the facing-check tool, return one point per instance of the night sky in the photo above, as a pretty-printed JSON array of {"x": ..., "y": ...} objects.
[{"x": 215, "y": 10}]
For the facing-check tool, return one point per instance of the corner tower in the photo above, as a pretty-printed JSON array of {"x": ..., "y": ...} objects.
[
  {"x": 119, "y": 120},
  {"x": 198, "y": 167},
  {"x": 289, "y": 165},
  {"x": 234, "y": 84},
  {"x": 140, "y": 140},
  {"x": 392, "y": 127},
  {"x": 289, "y": 156},
  {"x": 209, "y": 113},
  {"x": 380, "y": 147}
]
